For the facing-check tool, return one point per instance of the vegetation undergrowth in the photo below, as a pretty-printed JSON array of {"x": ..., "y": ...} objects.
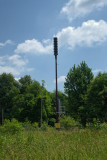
[{"x": 18, "y": 142}]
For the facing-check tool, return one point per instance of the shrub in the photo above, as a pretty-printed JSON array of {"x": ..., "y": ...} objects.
[
  {"x": 68, "y": 122},
  {"x": 44, "y": 126},
  {"x": 35, "y": 125},
  {"x": 27, "y": 126},
  {"x": 51, "y": 122},
  {"x": 104, "y": 125},
  {"x": 96, "y": 124},
  {"x": 11, "y": 127}
]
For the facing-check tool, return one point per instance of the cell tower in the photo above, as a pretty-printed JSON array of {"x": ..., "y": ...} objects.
[
  {"x": 57, "y": 106},
  {"x": 61, "y": 109}
]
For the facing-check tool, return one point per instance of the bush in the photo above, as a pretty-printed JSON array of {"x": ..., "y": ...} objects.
[
  {"x": 104, "y": 125},
  {"x": 44, "y": 126},
  {"x": 27, "y": 126},
  {"x": 51, "y": 122},
  {"x": 11, "y": 127},
  {"x": 35, "y": 125},
  {"x": 68, "y": 122},
  {"x": 96, "y": 124}
]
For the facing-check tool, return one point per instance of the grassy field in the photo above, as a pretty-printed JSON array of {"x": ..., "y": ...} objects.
[{"x": 78, "y": 144}]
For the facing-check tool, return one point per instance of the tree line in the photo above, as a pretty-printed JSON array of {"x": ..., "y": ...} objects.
[
  {"x": 85, "y": 97},
  {"x": 22, "y": 100}
]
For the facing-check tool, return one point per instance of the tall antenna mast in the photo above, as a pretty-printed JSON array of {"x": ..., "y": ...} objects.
[{"x": 57, "y": 107}]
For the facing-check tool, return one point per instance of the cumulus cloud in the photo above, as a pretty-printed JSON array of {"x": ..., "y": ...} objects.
[
  {"x": 35, "y": 47},
  {"x": 14, "y": 64},
  {"x": 61, "y": 79},
  {"x": 5, "y": 43},
  {"x": 2, "y": 60},
  {"x": 46, "y": 41},
  {"x": 16, "y": 60},
  {"x": 89, "y": 33},
  {"x": 17, "y": 79},
  {"x": 97, "y": 71},
  {"x": 77, "y": 8},
  {"x": 9, "y": 69}
]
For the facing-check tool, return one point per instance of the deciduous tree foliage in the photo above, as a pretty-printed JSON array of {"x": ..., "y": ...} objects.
[
  {"x": 24, "y": 82},
  {"x": 85, "y": 97},
  {"x": 22, "y": 99},
  {"x": 28, "y": 105},
  {"x": 97, "y": 98},
  {"x": 8, "y": 90},
  {"x": 77, "y": 81}
]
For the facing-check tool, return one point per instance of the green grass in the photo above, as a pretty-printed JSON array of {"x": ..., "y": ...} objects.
[{"x": 79, "y": 144}]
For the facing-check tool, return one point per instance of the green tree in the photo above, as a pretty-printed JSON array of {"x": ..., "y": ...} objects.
[
  {"x": 8, "y": 90},
  {"x": 97, "y": 98},
  {"x": 24, "y": 82},
  {"x": 34, "y": 88},
  {"x": 77, "y": 81},
  {"x": 27, "y": 105},
  {"x": 18, "y": 106}
]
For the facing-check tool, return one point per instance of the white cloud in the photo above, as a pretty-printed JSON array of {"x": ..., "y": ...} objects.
[
  {"x": 5, "y": 43},
  {"x": 78, "y": 8},
  {"x": 61, "y": 79},
  {"x": 96, "y": 71},
  {"x": 2, "y": 60},
  {"x": 89, "y": 33},
  {"x": 9, "y": 69},
  {"x": 16, "y": 60},
  {"x": 47, "y": 41},
  {"x": 14, "y": 64},
  {"x": 34, "y": 46},
  {"x": 17, "y": 79}
]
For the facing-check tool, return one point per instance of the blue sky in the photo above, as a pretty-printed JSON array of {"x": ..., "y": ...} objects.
[{"x": 27, "y": 28}]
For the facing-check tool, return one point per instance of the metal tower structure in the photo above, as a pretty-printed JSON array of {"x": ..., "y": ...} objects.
[{"x": 57, "y": 106}]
